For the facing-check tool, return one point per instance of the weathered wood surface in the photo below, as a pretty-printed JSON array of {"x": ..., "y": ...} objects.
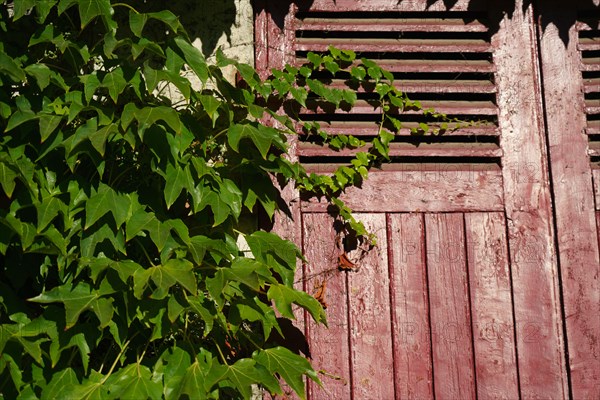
[
  {"x": 390, "y": 23},
  {"x": 371, "y": 128},
  {"x": 390, "y": 5},
  {"x": 444, "y": 190},
  {"x": 573, "y": 194},
  {"x": 420, "y": 65},
  {"x": 394, "y": 45},
  {"x": 370, "y": 317},
  {"x": 450, "y": 107},
  {"x": 410, "y": 150},
  {"x": 451, "y": 336},
  {"x": 413, "y": 369},
  {"x": 528, "y": 210},
  {"x": 329, "y": 347},
  {"x": 491, "y": 305}
]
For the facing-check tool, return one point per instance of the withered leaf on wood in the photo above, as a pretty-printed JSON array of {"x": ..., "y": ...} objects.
[
  {"x": 320, "y": 293},
  {"x": 344, "y": 263}
]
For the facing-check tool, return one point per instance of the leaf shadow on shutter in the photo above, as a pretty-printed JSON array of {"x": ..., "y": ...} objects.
[{"x": 507, "y": 8}]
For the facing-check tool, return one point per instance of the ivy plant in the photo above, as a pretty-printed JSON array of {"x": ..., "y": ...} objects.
[{"x": 121, "y": 207}]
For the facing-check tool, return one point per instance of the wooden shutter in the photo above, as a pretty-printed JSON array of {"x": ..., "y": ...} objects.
[
  {"x": 570, "y": 54},
  {"x": 461, "y": 298}
]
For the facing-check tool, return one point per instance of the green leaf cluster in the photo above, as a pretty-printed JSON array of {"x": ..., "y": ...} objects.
[{"x": 121, "y": 208}]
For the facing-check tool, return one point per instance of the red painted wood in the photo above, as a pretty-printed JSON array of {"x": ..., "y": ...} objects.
[
  {"x": 491, "y": 305},
  {"x": 444, "y": 189},
  {"x": 394, "y": 45},
  {"x": 574, "y": 196},
  {"x": 410, "y": 304},
  {"x": 329, "y": 346},
  {"x": 390, "y": 5},
  {"x": 367, "y": 128},
  {"x": 452, "y": 343},
  {"x": 399, "y": 24},
  {"x": 410, "y": 150},
  {"x": 419, "y": 65},
  {"x": 261, "y": 38},
  {"x": 528, "y": 209},
  {"x": 446, "y": 107},
  {"x": 370, "y": 317},
  {"x": 428, "y": 86}
]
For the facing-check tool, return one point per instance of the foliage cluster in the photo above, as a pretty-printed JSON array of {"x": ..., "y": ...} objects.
[{"x": 120, "y": 208}]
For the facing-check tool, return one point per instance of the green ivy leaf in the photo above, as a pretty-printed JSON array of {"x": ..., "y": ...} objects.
[
  {"x": 7, "y": 178},
  {"x": 79, "y": 298},
  {"x": 193, "y": 58},
  {"x": 61, "y": 382},
  {"x": 285, "y": 296},
  {"x": 115, "y": 82},
  {"x": 90, "y": 9},
  {"x": 11, "y": 68},
  {"x": 164, "y": 277},
  {"x": 134, "y": 382},
  {"x": 246, "y": 372},
  {"x": 270, "y": 249},
  {"x": 290, "y": 366},
  {"x": 106, "y": 200}
]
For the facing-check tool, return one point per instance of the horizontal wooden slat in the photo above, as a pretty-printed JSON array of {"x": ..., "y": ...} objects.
[
  {"x": 593, "y": 127},
  {"x": 395, "y": 45},
  {"x": 390, "y": 25},
  {"x": 430, "y": 86},
  {"x": 410, "y": 150},
  {"x": 445, "y": 190},
  {"x": 592, "y": 106},
  {"x": 594, "y": 149},
  {"x": 431, "y": 66},
  {"x": 432, "y": 169},
  {"x": 393, "y": 5},
  {"x": 590, "y": 64},
  {"x": 589, "y": 44},
  {"x": 588, "y": 24},
  {"x": 591, "y": 85},
  {"x": 363, "y": 128},
  {"x": 442, "y": 106}
]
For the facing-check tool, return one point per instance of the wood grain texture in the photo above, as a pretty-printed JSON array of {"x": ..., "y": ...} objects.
[
  {"x": 445, "y": 189},
  {"x": 410, "y": 305},
  {"x": 394, "y": 45},
  {"x": 419, "y": 65},
  {"x": 491, "y": 305},
  {"x": 410, "y": 150},
  {"x": 328, "y": 345},
  {"x": 370, "y": 317},
  {"x": 528, "y": 210},
  {"x": 446, "y": 107},
  {"x": 451, "y": 335},
  {"x": 573, "y": 195},
  {"x": 390, "y": 5},
  {"x": 360, "y": 23}
]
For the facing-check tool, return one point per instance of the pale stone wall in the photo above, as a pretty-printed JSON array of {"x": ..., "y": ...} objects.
[{"x": 228, "y": 24}]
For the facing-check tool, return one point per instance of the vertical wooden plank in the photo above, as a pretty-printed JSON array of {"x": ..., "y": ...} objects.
[
  {"x": 370, "y": 325},
  {"x": 410, "y": 307},
  {"x": 573, "y": 194},
  {"x": 491, "y": 305},
  {"x": 528, "y": 208},
  {"x": 452, "y": 344},
  {"x": 261, "y": 38},
  {"x": 328, "y": 346}
]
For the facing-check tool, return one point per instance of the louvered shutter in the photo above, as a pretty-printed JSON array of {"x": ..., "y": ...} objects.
[{"x": 461, "y": 297}]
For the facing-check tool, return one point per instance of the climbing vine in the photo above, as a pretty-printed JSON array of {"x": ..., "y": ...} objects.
[{"x": 121, "y": 207}]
